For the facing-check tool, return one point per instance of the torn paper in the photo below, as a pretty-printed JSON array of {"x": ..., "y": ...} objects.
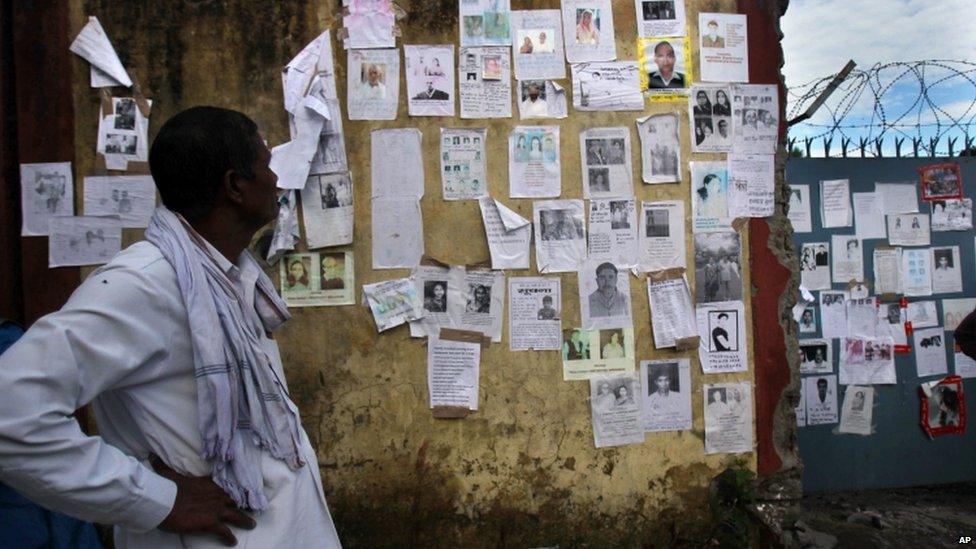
[
  {"x": 92, "y": 44},
  {"x": 724, "y": 53},
  {"x": 660, "y": 148},
  {"x": 607, "y": 86},
  {"x": 667, "y": 394},
  {"x": 534, "y": 167},
  {"x": 369, "y": 24},
  {"x": 605, "y": 155},
  {"x": 728, "y": 418},
  {"x": 662, "y": 236},
  {"x": 534, "y": 313},
  {"x": 393, "y": 302},
  {"x": 485, "y": 82},
  {"x": 374, "y": 84},
  {"x": 537, "y": 43},
  {"x": 616, "y": 404},
  {"x": 292, "y": 161},
  {"x": 541, "y": 99},
  {"x": 560, "y": 237},
  {"x": 83, "y": 240},
  {"x": 286, "y": 233},
  {"x": 599, "y": 352},
  {"x": 46, "y": 191},
  {"x": 327, "y": 208},
  {"x": 508, "y": 235},
  {"x": 131, "y": 198},
  {"x": 463, "y": 173},
  {"x": 718, "y": 267},
  {"x": 722, "y": 327},
  {"x": 318, "y": 279}
]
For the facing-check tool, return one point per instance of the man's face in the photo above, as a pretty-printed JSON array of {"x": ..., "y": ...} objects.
[
  {"x": 663, "y": 383},
  {"x": 259, "y": 202},
  {"x": 822, "y": 389},
  {"x": 373, "y": 75},
  {"x": 723, "y": 128},
  {"x": 751, "y": 118},
  {"x": 606, "y": 279},
  {"x": 721, "y": 321},
  {"x": 807, "y": 317},
  {"x": 533, "y": 92},
  {"x": 430, "y": 87},
  {"x": 664, "y": 57}
]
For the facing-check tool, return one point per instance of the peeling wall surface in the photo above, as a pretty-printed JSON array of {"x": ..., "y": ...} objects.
[{"x": 523, "y": 469}]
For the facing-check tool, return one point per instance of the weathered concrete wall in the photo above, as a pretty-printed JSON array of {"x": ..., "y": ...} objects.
[{"x": 522, "y": 470}]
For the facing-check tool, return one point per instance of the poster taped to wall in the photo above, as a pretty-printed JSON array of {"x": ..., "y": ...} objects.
[
  {"x": 667, "y": 394},
  {"x": 660, "y": 17},
  {"x": 560, "y": 236},
  {"x": 613, "y": 232},
  {"x": 430, "y": 80},
  {"x": 605, "y": 155},
  {"x": 46, "y": 190},
  {"x": 724, "y": 53},
  {"x": 723, "y": 337},
  {"x": 607, "y": 86},
  {"x": 588, "y": 28}
]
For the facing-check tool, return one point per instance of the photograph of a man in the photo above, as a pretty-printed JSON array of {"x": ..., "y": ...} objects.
[
  {"x": 608, "y": 300},
  {"x": 432, "y": 93},
  {"x": 711, "y": 38},
  {"x": 670, "y": 68}
]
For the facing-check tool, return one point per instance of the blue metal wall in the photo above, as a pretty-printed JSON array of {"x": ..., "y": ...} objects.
[{"x": 898, "y": 453}]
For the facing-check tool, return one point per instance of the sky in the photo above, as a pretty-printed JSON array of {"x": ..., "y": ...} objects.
[{"x": 820, "y": 36}]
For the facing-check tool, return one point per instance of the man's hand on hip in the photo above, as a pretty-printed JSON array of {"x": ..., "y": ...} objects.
[{"x": 201, "y": 507}]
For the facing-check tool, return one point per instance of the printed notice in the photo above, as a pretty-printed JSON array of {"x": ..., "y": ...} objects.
[
  {"x": 662, "y": 229},
  {"x": 318, "y": 279},
  {"x": 560, "y": 237},
  {"x": 751, "y": 184},
  {"x": 710, "y": 197},
  {"x": 537, "y": 42},
  {"x": 858, "y": 408},
  {"x": 83, "y": 240},
  {"x": 667, "y": 394},
  {"x": 755, "y": 121},
  {"x": 799, "y": 214},
  {"x": 660, "y": 148},
  {"x": 485, "y": 82},
  {"x": 724, "y": 48},
  {"x": 723, "y": 337},
  {"x": 46, "y": 191},
  {"x": 430, "y": 80},
  {"x": 393, "y": 302},
  {"x": 604, "y": 297},
  {"x": 616, "y": 407},
  {"x": 909, "y": 230},
  {"x": 672, "y": 313},
  {"x": 835, "y": 204},
  {"x": 660, "y": 17},
  {"x": 867, "y": 361},
  {"x": 533, "y": 167},
  {"x": 710, "y": 114},
  {"x": 607, "y": 86},
  {"x": 597, "y": 352},
  {"x": 463, "y": 173},
  {"x": 328, "y": 210},
  {"x": 588, "y": 28},
  {"x": 728, "y": 418},
  {"x": 821, "y": 397},
  {"x": 132, "y": 198},
  {"x": 534, "y": 312},
  {"x": 374, "y": 84},
  {"x": 453, "y": 368},
  {"x": 816, "y": 357},
  {"x": 605, "y": 154},
  {"x": 485, "y": 22},
  {"x": 613, "y": 231},
  {"x": 508, "y": 235}
]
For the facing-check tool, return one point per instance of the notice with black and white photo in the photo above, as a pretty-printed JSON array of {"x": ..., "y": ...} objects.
[
  {"x": 560, "y": 237},
  {"x": 710, "y": 114},
  {"x": 728, "y": 418},
  {"x": 946, "y": 271},
  {"x": 541, "y": 99},
  {"x": 815, "y": 266},
  {"x": 393, "y": 302},
  {"x": 755, "y": 111},
  {"x": 909, "y": 229},
  {"x": 537, "y": 42},
  {"x": 327, "y": 207},
  {"x": 835, "y": 203},
  {"x": 604, "y": 295},
  {"x": 484, "y": 22},
  {"x": 597, "y": 352},
  {"x": 430, "y": 80},
  {"x": 672, "y": 312},
  {"x": 456, "y": 297},
  {"x": 869, "y": 219},
  {"x": 613, "y": 231},
  {"x": 374, "y": 84},
  {"x": 605, "y": 156},
  {"x": 660, "y": 148},
  {"x": 922, "y": 314},
  {"x": 439, "y": 287},
  {"x": 396, "y": 163},
  {"x": 463, "y": 173},
  {"x": 131, "y": 198},
  {"x": 508, "y": 235},
  {"x": 891, "y": 323},
  {"x": 662, "y": 229},
  {"x": 821, "y": 397},
  {"x": 954, "y": 310},
  {"x": 46, "y": 190},
  {"x": 862, "y": 317},
  {"x": 857, "y": 410},
  {"x": 398, "y": 232},
  {"x": 718, "y": 270},
  {"x": 816, "y": 356},
  {"x": 318, "y": 279},
  {"x": 930, "y": 352},
  {"x": 588, "y": 28},
  {"x": 533, "y": 167},
  {"x": 887, "y": 270},
  {"x": 616, "y": 406},
  {"x": 833, "y": 314},
  {"x": 660, "y": 17},
  {"x": 485, "y": 82},
  {"x": 607, "y": 86},
  {"x": 952, "y": 214},
  {"x": 710, "y": 197},
  {"x": 724, "y": 52},
  {"x": 799, "y": 214},
  {"x": 122, "y": 133},
  {"x": 807, "y": 323},
  {"x": 848, "y": 259},
  {"x": 723, "y": 337},
  {"x": 83, "y": 240},
  {"x": 667, "y": 394},
  {"x": 534, "y": 313},
  {"x": 867, "y": 361},
  {"x": 453, "y": 367},
  {"x": 916, "y": 272},
  {"x": 751, "y": 183}
]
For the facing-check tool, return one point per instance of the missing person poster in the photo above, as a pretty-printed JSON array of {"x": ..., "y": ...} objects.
[
  {"x": 667, "y": 394},
  {"x": 560, "y": 236},
  {"x": 607, "y": 86},
  {"x": 710, "y": 197},
  {"x": 534, "y": 167},
  {"x": 710, "y": 114},
  {"x": 604, "y": 295},
  {"x": 722, "y": 327},
  {"x": 724, "y": 50},
  {"x": 534, "y": 312},
  {"x": 728, "y": 418},
  {"x": 660, "y": 17},
  {"x": 374, "y": 84},
  {"x": 597, "y": 352},
  {"x": 660, "y": 148},
  {"x": 485, "y": 82},
  {"x": 665, "y": 66},
  {"x": 463, "y": 173},
  {"x": 821, "y": 398},
  {"x": 613, "y": 232},
  {"x": 537, "y": 43},
  {"x": 318, "y": 279},
  {"x": 662, "y": 229},
  {"x": 484, "y": 22},
  {"x": 430, "y": 80},
  {"x": 327, "y": 208},
  {"x": 616, "y": 404},
  {"x": 605, "y": 156},
  {"x": 588, "y": 28}
]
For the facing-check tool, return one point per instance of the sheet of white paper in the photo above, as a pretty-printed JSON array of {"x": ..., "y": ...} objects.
[
  {"x": 710, "y": 197},
  {"x": 327, "y": 208},
  {"x": 292, "y": 161},
  {"x": 869, "y": 220},
  {"x": 799, "y": 214},
  {"x": 821, "y": 397},
  {"x": 857, "y": 411},
  {"x": 534, "y": 168},
  {"x": 607, "y": 86},
  {"x": 393, "y": 302},
  {"x": 286, "y": 232},
  {"x": 662, "y": 230},
  {"x": 588, "y": 28},
  {"x": 862, "y": 317},
  {"x": 455, "y": 297},
  {"x": 453, "y": 368},
  {"x": 83, "y": 240},
  {"x": 534, "y": 311},
  {"x": 660, "y": 18},
  {"x": 560, "y": 236},
  {"x": 131, "y": 198},
  {"x": 965, "y": 367},
  {"x": 613, "y": 232},
  {"x": 723, "y": 337},
  {"x": 509, "y": 247},
  {"x": 430, "y": 80},
  {"x": 801, "y": 406},
  {"x": 724, "y": 53},
  {"x": 751, "y": 182},
  {"x": 667, "y": 394},
  {"x": 92, "y": 44},
  {"x": 930, "y": 352},
  {"x": 660, "y": 148},
  {"x": 891, "y": 323},
  {"x": 373, "y": 84},
  {"x": 318, "y": 279},
  {"x": 537, "y": 43},
  {"x": 815, "y": 265},
  {"x": 835, "y": 203},
  {"x": 833, "y": 314},
  {"x": 922, "y": 314},
  {"x": 605, "y": 156},
  {"x": 887, "y": 270},
  {"x": 101, "y": 79},
  {"x": 710, "y": 116},
  {"x": 463, "y": 172},
  {"x": 123, "y": 135},
  {"x": 315, "y": 61},
  {"x": 718, "y": 267},
  {"x": 952, "y": 215},
  {"x": 485, "y": 82},
  {"x": 484, "y": 22},
  {"x": 398, "y": 232},
  {"x": 954, "y": 310},
  {"x": 604, "y": 294},
  {"x": 848, "y": 259},
  {"x": 369, "y": 24},
  {"x": 616, "y": 408},
  {"x": 909, "y": 230},
  {"x": 397, "y": 163},
  {"x": 46, "y": 190},
  {"x": 672, "y": 313},
  {"x": 598, "y": 352},
  {"x": 867, "y": 361},
  {"x": 728, "y": 418},
  {"x": 946, "y": 270},
  {"x": 916, "y": 272},
  {"x": 816, "y": 356},
  {"x": 897, "y": 198},
  {"x": 755, "y": 124},
  {"x": 330, "y": 154},
  {"x": 541, "y": 99}
]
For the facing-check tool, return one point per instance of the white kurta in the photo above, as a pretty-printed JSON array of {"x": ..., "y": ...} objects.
[{"x": 122, "y": 343}]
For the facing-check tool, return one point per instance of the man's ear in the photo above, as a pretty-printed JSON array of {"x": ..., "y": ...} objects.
[{"x": 232, "y": 187}]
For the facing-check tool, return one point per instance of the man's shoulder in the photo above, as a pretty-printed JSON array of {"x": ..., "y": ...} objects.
[
  {"x": 139, "y": 270},
  {"x": 140, "y": 259}
]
